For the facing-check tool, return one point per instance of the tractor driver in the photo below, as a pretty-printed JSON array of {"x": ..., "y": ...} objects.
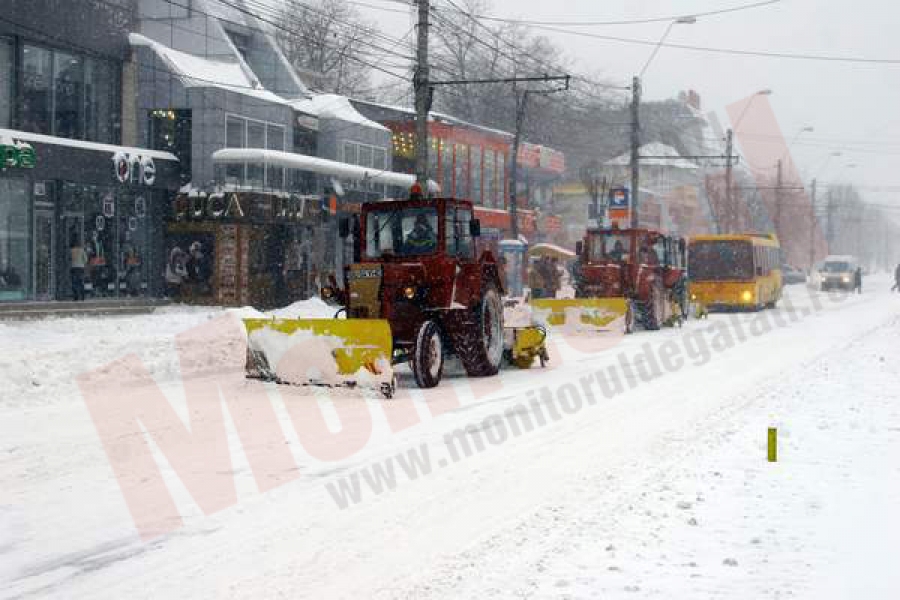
[
  {"x": 618, "y": 251},
  {"x": 422, "y": 239}
]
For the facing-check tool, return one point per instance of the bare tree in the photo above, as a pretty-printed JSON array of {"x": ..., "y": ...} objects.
[{"x": 325, "y": 41}]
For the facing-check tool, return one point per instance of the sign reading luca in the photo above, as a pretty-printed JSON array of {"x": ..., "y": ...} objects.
[{"x": 14, "y": 153}]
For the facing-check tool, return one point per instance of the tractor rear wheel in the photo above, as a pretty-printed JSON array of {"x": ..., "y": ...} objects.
[
  {"x": 428, "y": 356},
  {"x": 480, "y": 349}
]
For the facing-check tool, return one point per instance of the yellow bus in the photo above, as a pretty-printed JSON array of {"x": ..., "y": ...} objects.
[{"x": 735, "y": 271}]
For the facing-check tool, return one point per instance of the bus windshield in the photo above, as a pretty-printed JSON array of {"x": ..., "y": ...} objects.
[
  {"x": 720, "y": 260},
  {"x": 407, "y": 232}
]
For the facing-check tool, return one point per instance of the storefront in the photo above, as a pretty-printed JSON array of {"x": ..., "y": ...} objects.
[
  {"x": 61, "y": 197},
  {"x": 241, "y": 248}
]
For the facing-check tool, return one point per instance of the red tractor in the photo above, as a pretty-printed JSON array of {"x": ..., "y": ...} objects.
[{"x": 646, "y": 268}]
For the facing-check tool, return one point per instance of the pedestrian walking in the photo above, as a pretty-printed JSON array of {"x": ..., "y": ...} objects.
[
  {"x": 896, "y": 280},
  {"x": 77, "y": 262},
  {"x": 857, "y": 280}
]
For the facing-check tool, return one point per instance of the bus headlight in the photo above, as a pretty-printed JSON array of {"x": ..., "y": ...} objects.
[{"x": 747, "y": 296}]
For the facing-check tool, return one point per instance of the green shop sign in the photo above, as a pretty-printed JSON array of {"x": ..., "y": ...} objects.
[{"x": 17, "y": 154}]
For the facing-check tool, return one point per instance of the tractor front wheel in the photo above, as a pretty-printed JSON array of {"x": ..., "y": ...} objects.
[{"x": 428, "y": 356}]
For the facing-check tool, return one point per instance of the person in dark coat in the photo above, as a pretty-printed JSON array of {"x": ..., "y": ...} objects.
[
  {"x": 896, "y": 279},
  {"x": 857, "y": 280}
]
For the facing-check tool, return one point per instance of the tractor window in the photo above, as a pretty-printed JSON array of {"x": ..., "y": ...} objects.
[
  {"x": 610, "y": 246},
  {"x": 407, "y": 232},
  {"x": 459, "y": 236}
]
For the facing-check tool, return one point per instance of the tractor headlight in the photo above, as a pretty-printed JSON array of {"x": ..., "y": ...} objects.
[
  {"x": 327, "y": 292},
  {"x": 409, "y": 292},
  {"x": 747, "y": 296}
]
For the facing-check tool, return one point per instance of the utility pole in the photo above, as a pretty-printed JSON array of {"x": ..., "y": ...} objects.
[
  {"x": 521, "y": 103},
  {"x": 635, "y": 150},
  {"x": 423, "y": 92},
  {"x": 778, "y": 185},
  {"x": 830, "y": 219},
  {"x": 730, "y": 216},
  {"x": 812, "y": 226}
]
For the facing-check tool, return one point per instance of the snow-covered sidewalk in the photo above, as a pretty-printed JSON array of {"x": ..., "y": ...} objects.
[{"x": 662, "y": 490}]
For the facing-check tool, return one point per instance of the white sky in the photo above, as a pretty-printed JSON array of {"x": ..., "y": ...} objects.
[{"x": 854, "y": 108}]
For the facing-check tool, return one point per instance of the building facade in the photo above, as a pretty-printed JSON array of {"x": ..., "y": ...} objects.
[{"x": 74, "y": 183}]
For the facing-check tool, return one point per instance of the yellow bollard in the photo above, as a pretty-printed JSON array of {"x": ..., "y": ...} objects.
[{"x": 773, "y": 444}]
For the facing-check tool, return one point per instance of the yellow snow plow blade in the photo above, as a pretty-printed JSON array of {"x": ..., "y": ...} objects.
[
  {"x": 320, "y": 351},
  {"x": 598, "y": 312}
]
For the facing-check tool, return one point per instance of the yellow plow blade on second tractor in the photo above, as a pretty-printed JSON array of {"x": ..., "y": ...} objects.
[
  {"x": 580, "y": 313},
  {"x": 327, "y": 352}
]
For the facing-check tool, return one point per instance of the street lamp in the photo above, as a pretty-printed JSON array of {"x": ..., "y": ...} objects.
[
  {"x": 635, "y": 119},
  {"x": 766, "y": 92},
  {"x": 687, "y": 20}
]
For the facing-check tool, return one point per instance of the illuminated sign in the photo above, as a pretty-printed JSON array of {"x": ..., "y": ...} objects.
[
  {"x": 17, "y": 154},
  {"x": 134, "y": 168}
]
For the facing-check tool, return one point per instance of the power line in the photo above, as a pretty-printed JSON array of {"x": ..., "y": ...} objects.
[{"x": 586, "y": 23}]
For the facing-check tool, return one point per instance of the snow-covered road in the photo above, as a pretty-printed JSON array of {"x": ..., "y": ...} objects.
[{"x": 657, "y": 487}]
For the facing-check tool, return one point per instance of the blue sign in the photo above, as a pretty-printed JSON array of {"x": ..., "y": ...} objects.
[{"x": 619, "y": 198}]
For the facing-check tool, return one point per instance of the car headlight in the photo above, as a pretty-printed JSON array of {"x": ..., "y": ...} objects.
[
  {"x": 747, "y": 296},
  {"x": 409, "y": 292},
  {"x": 845, "y": 279}
]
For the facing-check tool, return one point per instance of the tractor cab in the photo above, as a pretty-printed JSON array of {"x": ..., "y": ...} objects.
[
  {"x": 631, "y": 263},
  {"x": 411, "y": 258},
  {"x": 404, "y": 230}
]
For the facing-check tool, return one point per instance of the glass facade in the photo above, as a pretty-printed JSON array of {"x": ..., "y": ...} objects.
[
  {"x": 248, "y": 133},
  {"x": 170, "y": 131},
  {"x": 15, "y": 240},
  {"x": 490, "y": 178},
  {"x": 7, "y": 56},
  {"x": 461, "y": 167},
  {"x": 115, "y": 229},
  {"x": 476, "y": 174},
  {"x": 68, "y": 94}
]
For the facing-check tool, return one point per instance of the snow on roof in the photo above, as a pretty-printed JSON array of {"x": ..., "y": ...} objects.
[
  {"x": 7, "y": 135},
  {"x": 333, "y": 106},
  {"x": 323, "y": 166},
  {"x": 197, "y": 71},
  {"x": 655, "y": 149}
]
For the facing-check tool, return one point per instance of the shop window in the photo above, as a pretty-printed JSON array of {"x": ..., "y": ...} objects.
[
  {"x": 447, "y": 169},
  {"x": 101, "y": 102},
  {"x": 15, "y": 240},
  {"x": 379, "y": 160},
  {"x": 500, "y": 193},
  {"x": 351, "y": 153},
  {"x": 69, "y": 95},
  {"x": 490, "y": 179},
  {"x": 256, "y": 138},
  {"x": 6, "y": 78},
  {"x": 476, "y": 174},
  {"x": 170, "y": 131},
  {"x": 37, "y": 85},
  {"x": 275, "y": 141},
  {"x": 461, "y": 187}
]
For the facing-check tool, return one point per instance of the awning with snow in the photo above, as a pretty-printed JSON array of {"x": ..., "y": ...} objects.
[{"x": 314, "y": 164}]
